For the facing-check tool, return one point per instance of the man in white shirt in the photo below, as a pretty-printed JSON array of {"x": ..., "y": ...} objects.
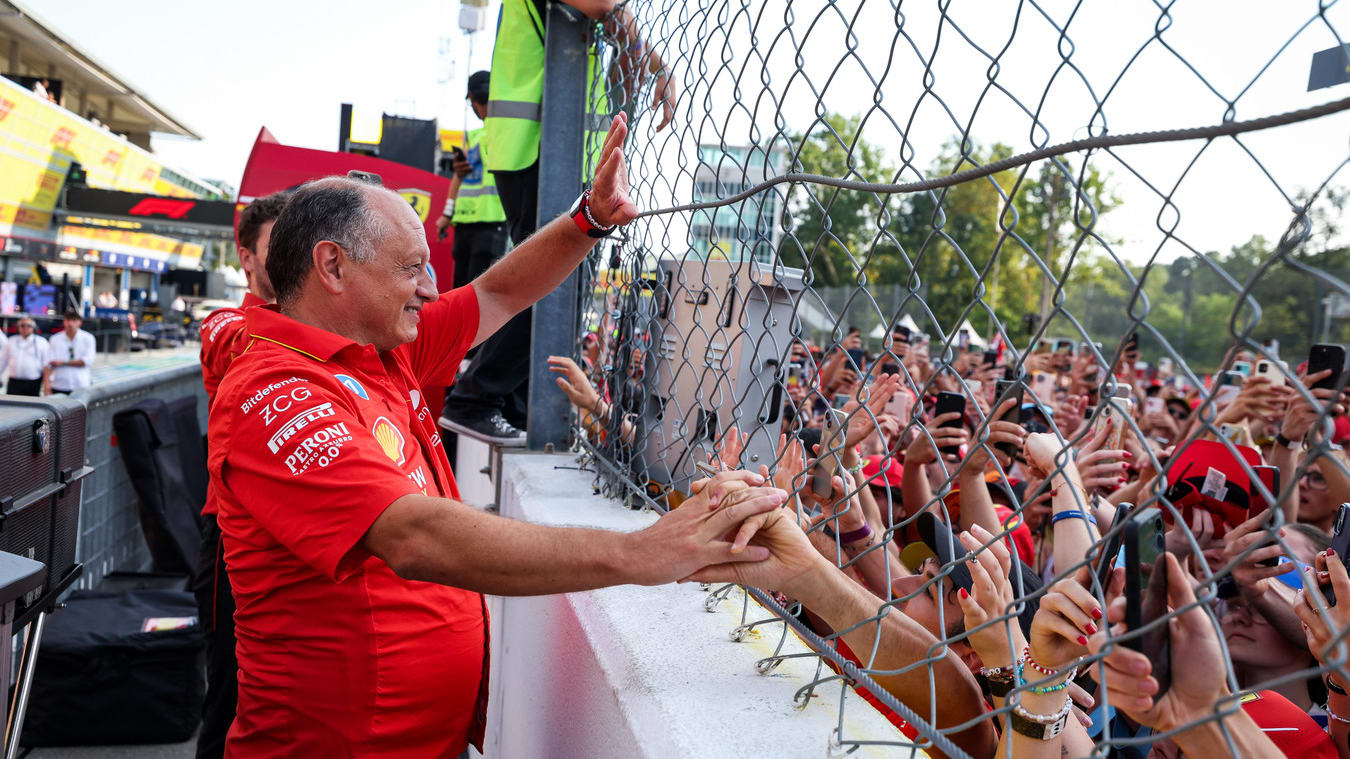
[
  {"x": 25, "y": 358},
  {"x": 70, "y": 354}
]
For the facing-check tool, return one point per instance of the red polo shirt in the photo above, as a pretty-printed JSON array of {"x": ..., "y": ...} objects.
[
  {"x": 311, "y": 438},
  {"x": 220, "y": 337}
]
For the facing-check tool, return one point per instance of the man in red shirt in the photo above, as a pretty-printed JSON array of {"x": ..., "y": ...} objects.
[
  {"x": 356, "y": 571},
  {"x": 220, "y": 338}
]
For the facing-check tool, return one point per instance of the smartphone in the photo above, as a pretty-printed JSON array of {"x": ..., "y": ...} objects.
[
  {"x": 1146, "y": 592},
  {"x": 1043, "y": 385},
  {"x": 1005, "y": 389},
  {"x": 1154, "y": 405},
  {"x": 794, "y": 375},
  {"x": 1270, "y": 477},
  {"x": 1132, "y": 343},
  {"x": 891, "y": 368},
  {"x": 1340, "y": 543},
  {"x": 459, "y": 153},
  {"x": 963, "y": 339},
  {"x": 976, "y": 386},
  {"x": 1322, "y": 357},
  {"x": 1165, "y": 364},
  {"x": 1106, "y": 560},
  {"x": 1117, "y": 410},
  {"x": 859, "y": 358},
  {"x": 831, "y": 443},
  {"x": 900, "y": 333},
  {"x": 841, "y": 400},
  {"x": 1228, "y": 384},
  {"x": 990, "y": 358},
  {"x": 1064, "y": 346},
  {"x": 946, "y": 404},
  {"x": 1243, "y": 367},
  {"x": 1271, "y": 371},
  {"x": 901, "y": 405}
]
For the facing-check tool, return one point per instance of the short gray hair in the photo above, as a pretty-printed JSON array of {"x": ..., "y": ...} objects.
[{"x": 333, "y": 209}]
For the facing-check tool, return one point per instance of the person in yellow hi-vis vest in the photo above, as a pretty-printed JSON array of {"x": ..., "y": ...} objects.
[
  {"x": 474, "y": 209},
  {"x": 489, "y": 400}
]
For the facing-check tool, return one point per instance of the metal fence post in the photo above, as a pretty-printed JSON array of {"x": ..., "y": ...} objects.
[{"x": 560, "y": 165}]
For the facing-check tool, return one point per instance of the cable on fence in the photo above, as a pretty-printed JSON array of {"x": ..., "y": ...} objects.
[{"x": 1226, "y": 129}]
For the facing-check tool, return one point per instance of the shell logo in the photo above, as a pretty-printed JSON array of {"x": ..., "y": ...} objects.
[
  {"x": 6, "y": 106},
  {"x": 420, "y": 200},
  {"x": 390, "y": 439}
]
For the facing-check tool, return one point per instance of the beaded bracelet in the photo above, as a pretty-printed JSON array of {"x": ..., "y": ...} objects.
[
  {"x": 999, "y": 673},
  {"x": 1026, "y": 657},
  {"x": 1041, "y": 691},
  {"x": 1073, "y": 514},
  {"x": 1335, "y": 716},
  {"x": 1044, "y": 719}
]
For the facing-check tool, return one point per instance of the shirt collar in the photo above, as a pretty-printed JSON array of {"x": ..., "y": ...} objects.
[
  {"x": 268, "y": 323},
  {"x": 251, "y": 300}
]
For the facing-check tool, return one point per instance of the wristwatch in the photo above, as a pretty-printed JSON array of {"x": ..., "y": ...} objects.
[
  {"x": 581, "y": 216},
  {"x": 1281, "y": 440},
  {"x": 1041, "y": 731}
]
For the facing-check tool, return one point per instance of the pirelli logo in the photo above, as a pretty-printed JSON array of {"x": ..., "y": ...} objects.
[{"x": 298, "y": 423}]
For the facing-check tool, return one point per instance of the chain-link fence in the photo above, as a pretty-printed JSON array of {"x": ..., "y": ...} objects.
[{"x": 1003, "y": 267}]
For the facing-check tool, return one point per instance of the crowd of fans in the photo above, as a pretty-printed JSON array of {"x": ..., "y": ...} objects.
[{"x": 961, "y": 529}]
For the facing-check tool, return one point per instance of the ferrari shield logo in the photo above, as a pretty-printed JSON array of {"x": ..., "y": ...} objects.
[{"x": 420, "y": 200}]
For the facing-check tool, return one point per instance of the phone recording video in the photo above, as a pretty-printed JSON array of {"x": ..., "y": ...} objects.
[
  {"x": 1146, "y": 593},
  {"x": 1005, "y": 389},
  {"x": 1340, "y": 543},
  {"x": 948, "y": 403},
  {"x": 1322, "y": 357}
]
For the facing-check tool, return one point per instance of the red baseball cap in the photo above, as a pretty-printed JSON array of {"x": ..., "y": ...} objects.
[
  {"x": 1342, "y": 433},
  {"x": 893, "y": 475},
  {"x": 1205, "y": 476},
  {"x": 1288, "y": 727}
]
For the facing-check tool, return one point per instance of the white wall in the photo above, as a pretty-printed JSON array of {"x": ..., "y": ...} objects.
[{"x": 643, "y": 672}]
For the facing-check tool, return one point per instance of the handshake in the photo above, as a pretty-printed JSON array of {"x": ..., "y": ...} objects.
[{"x": 733, "y": 529}]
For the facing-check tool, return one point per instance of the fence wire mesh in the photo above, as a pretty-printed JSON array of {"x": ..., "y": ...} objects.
[{"x": 1097, "y": 239}]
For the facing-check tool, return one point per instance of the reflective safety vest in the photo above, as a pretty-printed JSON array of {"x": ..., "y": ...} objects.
[
  {"x": 477, "y": 201},
  {"x": 517, "y": 90},
  {"x": 517, "y": 87}
]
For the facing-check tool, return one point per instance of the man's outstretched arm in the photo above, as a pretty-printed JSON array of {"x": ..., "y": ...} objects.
[
  {"x": 444, "y": 541},
  {"x": 543, "y": 261}
]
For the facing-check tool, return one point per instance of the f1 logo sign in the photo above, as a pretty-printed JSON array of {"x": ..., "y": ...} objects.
[{"x": 173, "y": 209}]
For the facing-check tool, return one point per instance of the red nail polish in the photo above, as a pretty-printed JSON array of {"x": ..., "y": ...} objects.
[
  {"x": 1082, "y": 641},
  {"x": 1129, "y": 455},
  {"x": 1090, "y": 628},
  {"x": 1331, "y": 552},
  {"x": 964, "y": 594},
  {"x": 1096, "y": 613}
]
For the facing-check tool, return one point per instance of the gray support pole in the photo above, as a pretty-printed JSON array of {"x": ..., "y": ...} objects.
[{"x": 560, "y": 165}]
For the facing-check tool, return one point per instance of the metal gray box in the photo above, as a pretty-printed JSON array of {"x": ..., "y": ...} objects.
[{"x": 720, "y": 336}]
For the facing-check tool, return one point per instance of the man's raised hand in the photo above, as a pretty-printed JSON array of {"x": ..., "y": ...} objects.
[{"x": 610, "y": 204}]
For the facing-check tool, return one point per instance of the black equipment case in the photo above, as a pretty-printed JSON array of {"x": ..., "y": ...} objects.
[
  {"x": 41, "y": 466},
  {"x": 118, "y": 668}
]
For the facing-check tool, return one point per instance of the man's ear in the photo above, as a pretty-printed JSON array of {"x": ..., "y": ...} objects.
[{"x": 330, "y": 264}]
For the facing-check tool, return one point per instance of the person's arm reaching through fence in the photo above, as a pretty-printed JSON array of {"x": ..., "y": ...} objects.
[
  {"x": 977, "y": 507},
  {"x": 1072, "y": 520},
  {"x": 444, "y": 541},
  {"x": 1299, "y": 421},
  {"x": 543, "y": 261},
  {"x": 798, "y": 570}
]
